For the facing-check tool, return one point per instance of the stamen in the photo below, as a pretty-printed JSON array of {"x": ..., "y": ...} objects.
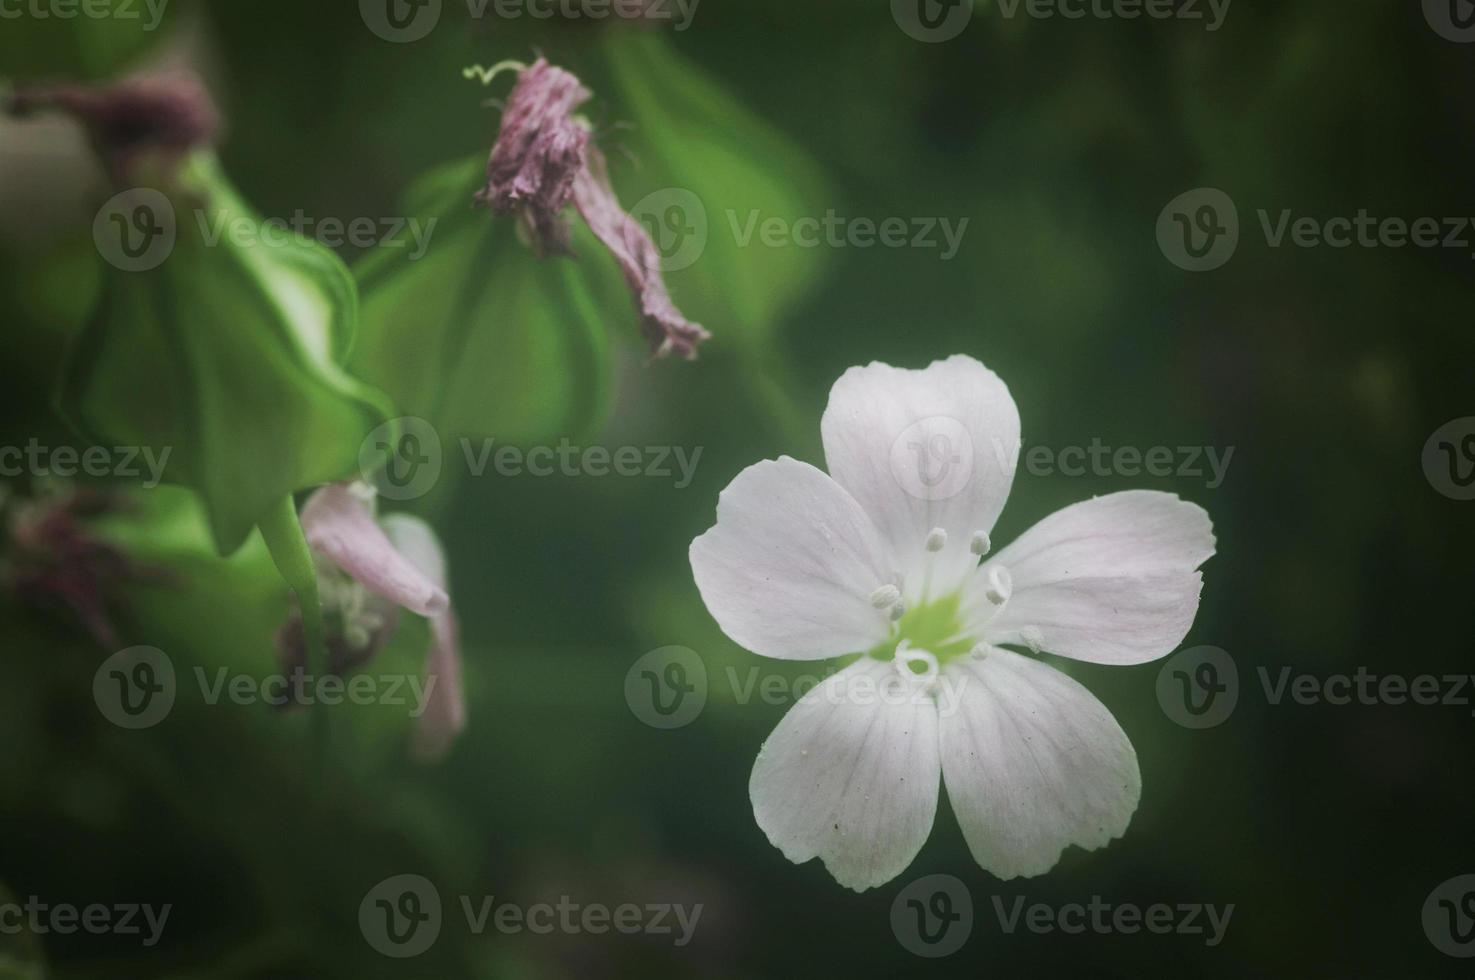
[
  {"x": 980, "y": 545},
  {"x": 936, "y": 539},
  {"x": 980, "y": 650},
  {"x": 1032, "y": 638},
  {"x": 357, "y": 635},
  {"x": 885, "y": 597},
  {"x": 1000, "y": 585},
  {"x": 906, "y": 656},
  {"x": 897, "y": 611}
]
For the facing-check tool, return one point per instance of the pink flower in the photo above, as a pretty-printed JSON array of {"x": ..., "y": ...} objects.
[{"x": 390, "y": 563}]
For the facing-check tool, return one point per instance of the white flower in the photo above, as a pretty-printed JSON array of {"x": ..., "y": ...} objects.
[{"x": 889, "y": 556}]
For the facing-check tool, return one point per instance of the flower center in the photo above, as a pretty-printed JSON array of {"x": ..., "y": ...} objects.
[{"x": 934, "y": 628}]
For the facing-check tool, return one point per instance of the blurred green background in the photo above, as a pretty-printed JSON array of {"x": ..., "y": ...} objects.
[{"x": 1060, "y": 141}]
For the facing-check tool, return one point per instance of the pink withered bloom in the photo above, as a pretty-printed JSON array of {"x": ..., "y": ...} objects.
[
  {"x": 165, "y": 113},
  {"x": 372, "y": 568},
  {"x": 543, "y": 160},
  {"x": 54, "y": 559}
]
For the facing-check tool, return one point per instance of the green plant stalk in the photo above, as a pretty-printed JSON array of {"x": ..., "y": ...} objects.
[{"x": 288, "y": 547}]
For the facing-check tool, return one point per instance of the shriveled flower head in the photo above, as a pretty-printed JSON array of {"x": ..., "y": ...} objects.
[
  {"x": 890, "y": 555},
  {"x": 168, "y": 114},
  {"x": 372, "y": 569},
  {"x": 53, "y": 558},
  {"x": 538, "y": 154},
  {"x": 543, "y": 160}
]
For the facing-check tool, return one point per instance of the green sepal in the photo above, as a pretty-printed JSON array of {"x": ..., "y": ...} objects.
[
  {"x": 230, "y": 354},
  {"x": 481, "y": 337}
]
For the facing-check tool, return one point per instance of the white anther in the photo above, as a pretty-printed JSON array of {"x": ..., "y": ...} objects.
[
  {"x": 1032, "y": 638},
  {"x": 897, "y": 611},
  {"x": 885, "y": 597},
  {"x": 362, "y": 491},
  {"x": 936, "y": 539},
  {"x": 980, "y": 650},
  {"x": 906, "y": 656},
  {"x": 980, "y": 544},
  {"x": 1000, "y": 585}
]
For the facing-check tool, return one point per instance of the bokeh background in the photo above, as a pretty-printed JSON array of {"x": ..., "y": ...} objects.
[{"x": 1060, "y": 141}]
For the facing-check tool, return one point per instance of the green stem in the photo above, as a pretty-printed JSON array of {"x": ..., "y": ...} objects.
[{"x": 284, "y": 539}]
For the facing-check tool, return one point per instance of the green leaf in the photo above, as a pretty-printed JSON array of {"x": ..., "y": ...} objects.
[
  {"x": 230, "y": 355},
  {"x": 481, "y": 337},
  {"x": 690, "y": 134}
]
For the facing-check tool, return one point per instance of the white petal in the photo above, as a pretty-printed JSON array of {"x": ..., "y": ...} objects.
[
  {"x": 925, "y": 449},
  {"x": 417, "y": 541},
  {"x": 444, "y": 718},
  {"x": 790, "y": 566},
  {"x": 1033, "y": 763},
  {"x": 850, "y": 775},
  {"x": 1110, "y": 580}
]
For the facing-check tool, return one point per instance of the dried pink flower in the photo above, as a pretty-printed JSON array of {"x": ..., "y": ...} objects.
[
  {"x": 168, "y": 113},
  {"x": 542, "y": 160},
  {"x": 54, "y": 558}
]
